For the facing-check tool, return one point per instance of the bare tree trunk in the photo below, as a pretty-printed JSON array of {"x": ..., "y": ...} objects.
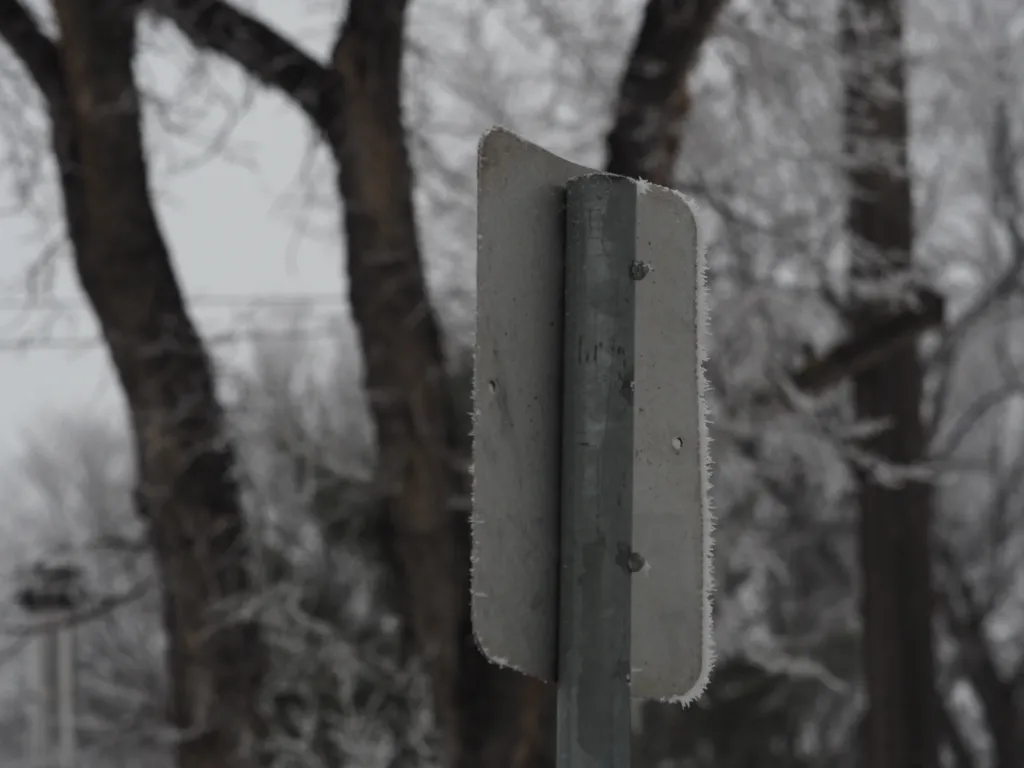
[
  {"x": 895, "y": 522},
  {"x": 185, "y": 489},
  {"x": 654, "y": 95},
  {"x": 402, "y": 350}
]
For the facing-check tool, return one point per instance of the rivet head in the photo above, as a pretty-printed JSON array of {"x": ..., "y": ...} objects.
[
  {"x": 638, "y": 270},
  {"x": 635, "y": 562}
]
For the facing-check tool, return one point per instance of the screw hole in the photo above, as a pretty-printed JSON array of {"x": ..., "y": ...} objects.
[
  {"x": 493, "y": 386},
  {"x": 677, "y": 444}
]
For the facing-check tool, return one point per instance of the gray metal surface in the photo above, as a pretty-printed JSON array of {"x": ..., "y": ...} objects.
[
  {"x": 518, "y": 413},
  {"x": 517, "y": 443},
  {"x": 597, "y": 475},
  {"x": 671, "y": 613}
]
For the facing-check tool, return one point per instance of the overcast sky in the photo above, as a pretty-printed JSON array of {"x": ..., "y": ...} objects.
[
  {"x": 235, "y": 232},
  {"x": 259, "y": 223}
]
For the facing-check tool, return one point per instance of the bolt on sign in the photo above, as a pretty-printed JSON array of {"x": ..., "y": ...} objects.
[{"x": 591, "y": 522}]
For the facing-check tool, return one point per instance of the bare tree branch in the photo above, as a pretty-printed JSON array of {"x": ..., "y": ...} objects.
[
  {"x": 261, "y": 51},
  {"x": 872, "y": 347},
  {"x": 34, "y": 49},
  {"x": 966, "y": 616},
  {"x": 41, "y": 58}
]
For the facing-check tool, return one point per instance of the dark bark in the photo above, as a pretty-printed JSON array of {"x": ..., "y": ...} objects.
[
  {"x": 654, "y": 95},
  {"x": 873, "y": 344},
  {"x": 402, "y": 351},
  {"x": 262, "y": 52},
  {"x": 41, "y": 58},
  {"x": 185, "y": 487},
  {"x": 895, "y": 522}
]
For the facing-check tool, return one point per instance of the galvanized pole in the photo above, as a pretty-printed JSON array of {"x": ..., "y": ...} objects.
[{"x": 597, "y": 466}]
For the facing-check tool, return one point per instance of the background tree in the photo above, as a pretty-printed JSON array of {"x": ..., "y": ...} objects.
[
  {"x": 895, "y": 522},
  {"x": 763, "y": 157},
  {"x": 185, "y": 490}
]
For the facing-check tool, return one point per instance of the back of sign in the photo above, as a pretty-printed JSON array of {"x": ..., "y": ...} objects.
[
  {"x": 518, "y": 418},
  {"x": 517, "y": 400}
]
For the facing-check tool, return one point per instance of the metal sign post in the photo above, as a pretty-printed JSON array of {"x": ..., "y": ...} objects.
[
  {"x": 591, "y": 528},
  {"x": 597, "y": 559}
]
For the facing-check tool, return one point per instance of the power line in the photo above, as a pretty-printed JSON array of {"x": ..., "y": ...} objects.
[
  {"x": 222, "y": 339},
  {"x": 212, "y": 300},
  {"x": 29, "y": 343}
]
